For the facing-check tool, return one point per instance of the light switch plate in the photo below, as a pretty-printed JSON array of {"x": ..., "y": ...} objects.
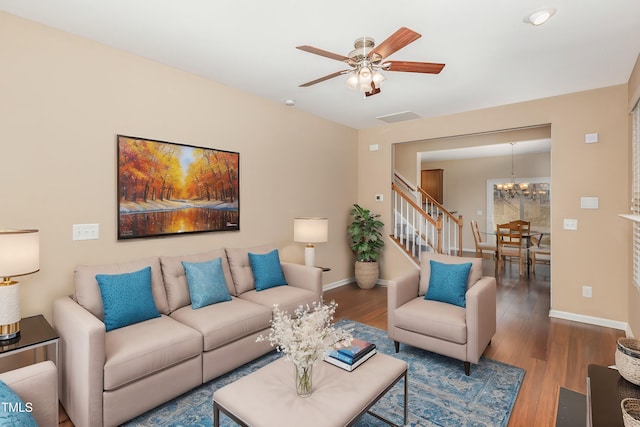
[
  {"x": 570, "y": 224},
  {"x": 86, "y": 231},
  {"x": 590, "y": 138},
  {"x": 589, "y": 202}
]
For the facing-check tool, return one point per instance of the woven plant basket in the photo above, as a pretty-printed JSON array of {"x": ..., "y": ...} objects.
[
  {"x": 630, "y": 412},
  {"x": 367, "y": 274},
  {"x": 628, "y": 359}
]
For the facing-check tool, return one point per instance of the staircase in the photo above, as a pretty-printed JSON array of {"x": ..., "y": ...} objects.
[{"x": 422, "y": 224}]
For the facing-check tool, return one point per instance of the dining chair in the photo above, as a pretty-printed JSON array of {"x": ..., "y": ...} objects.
[
  {"x": 539, "y": 255},
  {"x": 482, "y": 247},
  {"x": 510, "y": 244},
  {"x": 540, "y": 251},
  {"x": 525, "y": 227}
]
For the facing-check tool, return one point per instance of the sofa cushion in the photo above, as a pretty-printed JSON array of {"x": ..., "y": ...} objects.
[
  {"x": 475, "y": 273},
  {"x": 13, "y": 411},
  {"x": 142, "y": 349},
  {"x": 266, "y": 269},
  {"x": 225, "y": 322},
  {"x": 206, "y": 283},
  {"x": 448, "y": 283},
  {"x": 126, "y": 298},
  {"x": 288, "y": 298},
  {"x": 434, "y": 319},
  {"x": 87, "y": 291},
  {"x": 175, "y": 279},
  {"x": 241, "y": 268}
]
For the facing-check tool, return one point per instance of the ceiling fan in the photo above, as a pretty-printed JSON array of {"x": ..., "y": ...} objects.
[{"x": 366, "y": 61}]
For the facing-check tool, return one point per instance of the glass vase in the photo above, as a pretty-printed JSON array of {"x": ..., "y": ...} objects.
[{"x": 304, "y": 375}]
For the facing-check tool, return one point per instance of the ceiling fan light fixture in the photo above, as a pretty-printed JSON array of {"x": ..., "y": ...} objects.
[
  {"x": 352, "y": 80},
  {"x": 539, "y": 17},
  {"x": 366, "y": 61},
  {"x": 378, "y": 78},
  {"x": 365, "y": 75}
]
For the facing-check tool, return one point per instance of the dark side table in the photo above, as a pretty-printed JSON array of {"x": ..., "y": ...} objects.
[
  {"x": 605, "y": 390},
  {"x": 35, "y": 332}
]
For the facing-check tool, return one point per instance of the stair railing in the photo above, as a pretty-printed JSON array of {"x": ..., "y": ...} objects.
[
  {"x": 414, "y": 229},
  {"x": 421, "y": 221}
]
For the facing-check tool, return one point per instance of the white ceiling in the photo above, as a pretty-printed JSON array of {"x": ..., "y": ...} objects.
[{"x": 492, "y": 57}]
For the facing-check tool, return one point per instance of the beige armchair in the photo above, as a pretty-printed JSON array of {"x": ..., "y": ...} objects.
[
  {"x": 37, "y": 385},
  {"x": 459, "y": 332}
]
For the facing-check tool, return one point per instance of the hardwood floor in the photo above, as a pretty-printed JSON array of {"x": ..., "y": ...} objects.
[{"x": 555, "y": 353}]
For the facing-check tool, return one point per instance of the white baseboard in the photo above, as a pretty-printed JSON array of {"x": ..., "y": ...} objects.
[
  {"x": 343, "y": 282},
  {"x": 337, "y": 284},
  {"x": 598, "y": 321}
]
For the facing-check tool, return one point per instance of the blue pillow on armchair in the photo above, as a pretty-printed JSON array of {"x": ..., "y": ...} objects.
[
  {"x": 448, "y": 283},
  {"x": 267, "y": 271}
]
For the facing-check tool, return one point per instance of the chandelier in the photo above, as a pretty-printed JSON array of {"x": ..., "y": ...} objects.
[
  {"x": 514, "y": 189},
  {"x": 521, "y": 190}
]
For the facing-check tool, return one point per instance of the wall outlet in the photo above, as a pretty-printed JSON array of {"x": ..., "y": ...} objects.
[
  {"x": 586, "y": 291},
  {"x": 379, "y": 197}
]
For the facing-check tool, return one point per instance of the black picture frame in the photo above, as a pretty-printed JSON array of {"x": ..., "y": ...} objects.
[{"x": 167, "y": 188}]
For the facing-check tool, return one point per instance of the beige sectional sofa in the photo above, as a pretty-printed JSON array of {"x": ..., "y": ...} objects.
[{"x": 107, "y": 378}]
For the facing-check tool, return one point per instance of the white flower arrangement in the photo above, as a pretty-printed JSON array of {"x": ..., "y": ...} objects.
[{"x": 308, "y": 335}]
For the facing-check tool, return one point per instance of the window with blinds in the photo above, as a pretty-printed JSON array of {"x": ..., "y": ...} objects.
[{"x": 635, "y": 191}]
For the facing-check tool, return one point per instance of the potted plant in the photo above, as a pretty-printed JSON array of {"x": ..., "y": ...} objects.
[{"x": 366, "y": 243}]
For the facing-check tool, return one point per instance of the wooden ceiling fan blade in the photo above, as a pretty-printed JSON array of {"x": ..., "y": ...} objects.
[
  {"x": 413, "y": 67},
  {"x": 324, "y": 53},
  {"x": 395, "y": 42},
  {"x": 327, "y": 77}
]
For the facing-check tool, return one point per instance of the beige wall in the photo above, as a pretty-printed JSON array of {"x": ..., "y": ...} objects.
[
  {"x": 65, "y": 98},
  {"x": 597, "y": 253},
  {"x": 633, "y": 293}
]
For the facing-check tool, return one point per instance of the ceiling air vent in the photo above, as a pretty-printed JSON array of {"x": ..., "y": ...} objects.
[{"x": 398, "y": 117}]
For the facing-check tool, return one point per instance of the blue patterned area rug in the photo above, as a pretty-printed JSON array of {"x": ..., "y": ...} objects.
[{"x": 440, "y": 394}]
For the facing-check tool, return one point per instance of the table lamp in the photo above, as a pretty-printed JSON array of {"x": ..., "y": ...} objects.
[
  {"x": 19, "y": 255},
  {"x": 310, "y": 230}
]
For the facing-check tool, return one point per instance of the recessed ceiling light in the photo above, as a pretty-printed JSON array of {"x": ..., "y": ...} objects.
[
  {"x": 289, "y": 102},
  {"x": 539, "y": 17}
]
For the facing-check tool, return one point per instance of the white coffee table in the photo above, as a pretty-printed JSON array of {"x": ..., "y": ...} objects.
[{"x": 268, "y": 397}]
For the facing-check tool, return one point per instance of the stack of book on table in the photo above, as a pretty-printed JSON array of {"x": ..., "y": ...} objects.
[{"x": 349, "y": 358}]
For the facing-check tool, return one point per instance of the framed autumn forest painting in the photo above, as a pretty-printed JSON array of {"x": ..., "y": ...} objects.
[{"x": 167, "y": 188}]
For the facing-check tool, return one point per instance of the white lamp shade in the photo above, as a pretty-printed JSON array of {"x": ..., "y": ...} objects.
[
  {"x": 19, "y": 252},
  {"x": 310, "y": 230}
]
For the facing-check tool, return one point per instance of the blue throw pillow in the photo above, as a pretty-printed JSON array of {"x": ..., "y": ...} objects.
[
  {"x": 127, "y": 298},
  {"x": 448, "y": 283},
  {"x": 267, "y": 271},
  {"x": 206, "y": 283},
  {"x": 13, "y": 411}
]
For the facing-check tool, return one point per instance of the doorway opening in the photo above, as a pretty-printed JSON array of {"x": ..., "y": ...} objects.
[{"x": 531, "y": 202}]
